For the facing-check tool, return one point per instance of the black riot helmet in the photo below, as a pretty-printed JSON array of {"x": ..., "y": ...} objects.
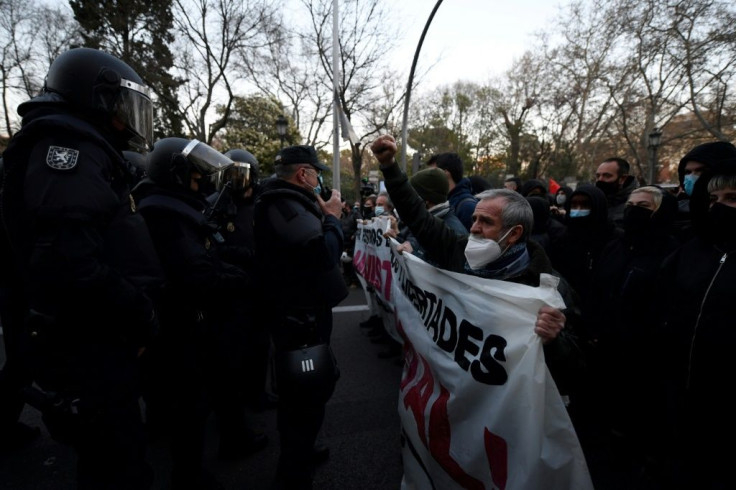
[
  {"x": 244, "y": 172},
  {"x": 106, "y": 89},
  {"x": 173, "y": 160}
]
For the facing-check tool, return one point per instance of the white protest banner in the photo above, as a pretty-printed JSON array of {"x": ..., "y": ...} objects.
[
  {"x": 478, "y": 406},
  {"x": 372, "y": 262}
]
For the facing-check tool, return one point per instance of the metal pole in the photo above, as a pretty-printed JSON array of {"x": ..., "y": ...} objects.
[
  {"x": 408, "y": 85},
  {"x": 335, "y": 99},
  {"x": 654, "y": 166}
]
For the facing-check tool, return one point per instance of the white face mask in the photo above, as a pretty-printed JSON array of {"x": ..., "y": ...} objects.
[{"x": 482, "y": 251}]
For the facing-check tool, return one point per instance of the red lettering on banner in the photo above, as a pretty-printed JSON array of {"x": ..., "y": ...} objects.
[
  {"x": 375, "y": 271},
  {"x": 359, "y": 262},
  {"x": 440, "y": 436},
  {"x": 497, "y": 452},
  {"x": 418, "y": 395},
  {"x": 440, "y": 432}
]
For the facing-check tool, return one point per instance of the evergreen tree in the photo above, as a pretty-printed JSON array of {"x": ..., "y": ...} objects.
[
  {"x": 138, "y": 32},
  {"x": 252, "y": 126}
]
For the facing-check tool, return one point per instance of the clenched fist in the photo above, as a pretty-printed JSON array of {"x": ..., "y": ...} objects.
[{"x": 384, "y": 148}]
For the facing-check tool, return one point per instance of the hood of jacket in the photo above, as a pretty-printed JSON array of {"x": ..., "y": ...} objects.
[{"x": 709, "y": 154}]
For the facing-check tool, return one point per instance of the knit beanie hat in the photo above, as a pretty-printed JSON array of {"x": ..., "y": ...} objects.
[{"x": 431, "y": 185}]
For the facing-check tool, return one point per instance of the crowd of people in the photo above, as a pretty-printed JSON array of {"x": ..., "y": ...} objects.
[
  {"x": 640, "y": 351},
  {"x": 181, "y": 277}
]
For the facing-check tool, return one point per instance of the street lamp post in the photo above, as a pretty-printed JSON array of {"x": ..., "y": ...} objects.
[
  {"x": 655, "y": 138},
  {"x": 282, "y": 125}
]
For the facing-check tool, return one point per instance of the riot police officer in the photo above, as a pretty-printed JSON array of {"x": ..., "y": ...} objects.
[
  {"x": 198, "y": 298},
  {"x": 85, "y": 261},
  {"x": 239, "y": 372}
]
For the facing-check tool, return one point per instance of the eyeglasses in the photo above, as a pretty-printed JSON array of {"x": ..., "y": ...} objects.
[{"x": 316, "y": 172}]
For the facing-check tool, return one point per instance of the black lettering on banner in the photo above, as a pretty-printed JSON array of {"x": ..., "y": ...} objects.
[
  {"x": 372, "y": 236},
  {"x": 493, "y": 351},
  {"x": 463, "y": 341},
  {"x": 433, "y": 321},
  {"x": 465, "y": 345},
  {"x": 428, "y": 307},
  {"x": 448, "y": 330}
]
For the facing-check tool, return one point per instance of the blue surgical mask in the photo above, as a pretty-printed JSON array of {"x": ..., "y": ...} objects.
[
  {"x": 318, "y": 189},
  {"x": 579, "y": 213},
  {"x": 689, "y": 183},
  {"x": 379, "y": 210}
]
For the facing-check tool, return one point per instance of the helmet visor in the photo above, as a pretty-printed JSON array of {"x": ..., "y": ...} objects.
[
  {"x": 135, "y": 110},
  {"x": 206, "y": 159},
  {"x": 238, "y": 175}
]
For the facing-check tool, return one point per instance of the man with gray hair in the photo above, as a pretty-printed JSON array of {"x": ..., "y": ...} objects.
[{"x": 497, "y": 248}]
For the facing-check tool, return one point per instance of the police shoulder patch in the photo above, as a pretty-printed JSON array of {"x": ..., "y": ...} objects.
[{"x": 60, "y": 158}]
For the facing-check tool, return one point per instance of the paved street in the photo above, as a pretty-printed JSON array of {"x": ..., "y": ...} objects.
[{"x": 361, "y": 428}]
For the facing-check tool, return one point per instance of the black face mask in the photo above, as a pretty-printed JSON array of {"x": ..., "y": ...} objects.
[
  {"x": 637, "y": 219},
  {"x": 722, "y": 226},
  {"x": 368, "y": 213},
  {"x": 608, "y": 188}
]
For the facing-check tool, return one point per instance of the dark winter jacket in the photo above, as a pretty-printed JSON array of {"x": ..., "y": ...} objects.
[
  {"x": 199, "y": 285},
  {"x": 233, "y": 219},
  {"x": 697, "y": 335},
  {"x": 625, "y": 278},
  {"x": 445, "y": 213},
  {"x": 463, "y": 202},
  {"x": 298, "y": 251},
  {"x": 83, "y": 251},
  {"x": 578, "y": 250}
]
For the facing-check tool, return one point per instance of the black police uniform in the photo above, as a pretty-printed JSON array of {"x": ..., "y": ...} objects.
[
  {"x": 16, "y": 375},
  {"x": 298, "y": 251},
  {"x": 86, "y": 262},
  {"x": 198, "y": 298},
  {"x": 244, "y": 344}
]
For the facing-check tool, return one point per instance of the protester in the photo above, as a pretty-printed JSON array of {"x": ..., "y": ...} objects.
[
  {"x": 588, "y": 230},
  {"x": 496, "y": 249},
  {"x": 534, "y": 187},
  {"x": 432, "y": 187},
  {"x": 622, "y": 321},
  {"x": 478, "y": 184},
  {"x": 368, "y": 210},
  {"x": 513, "y": 183},
  {"x": 689, "y": 170},
  {"x": 349, "y": 221},
  {"x": 546, "y": 230},
  {"x": 461, "y": 194},
  {"x": 298, "y": 246},
  {"x": 612, "y": 177},
  {"x": 557, "y": 209},
  {"x": 85, "y": 262},
  {"x": 696, "y": 337}
]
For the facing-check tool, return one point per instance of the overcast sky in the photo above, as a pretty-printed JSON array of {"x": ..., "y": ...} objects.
[{"x": 473, "y": 39}]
